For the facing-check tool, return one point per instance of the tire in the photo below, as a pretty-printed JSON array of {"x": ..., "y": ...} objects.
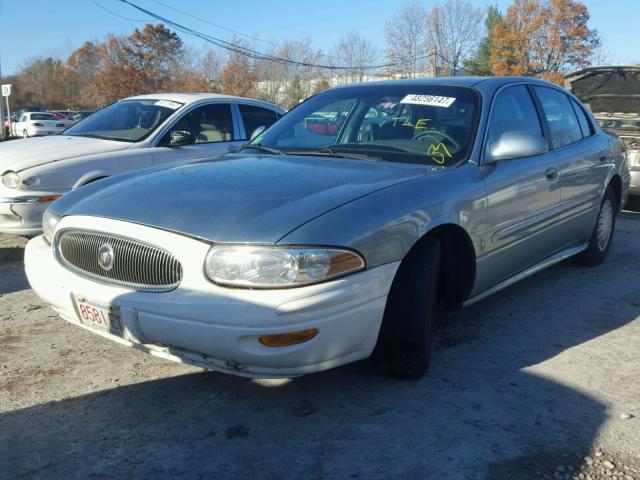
[
  {"x": 602, "y": 235},
  {"x": 404, "y": 343}
]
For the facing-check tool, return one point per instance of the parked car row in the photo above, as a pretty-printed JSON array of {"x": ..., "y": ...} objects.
[
  {"x": 330, "y": 237},
  {"x": 27, "y": 121}
]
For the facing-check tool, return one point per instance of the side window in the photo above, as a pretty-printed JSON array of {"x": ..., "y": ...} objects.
[
  {"x": 513, "y": 111},
  {"x": 562, "y": 120},
  {"x": 585, "y": 124},
  {"x": 208, "y": 123},
  {"x": 254, "y": 117},
  {"x": 23, "y": 118}
]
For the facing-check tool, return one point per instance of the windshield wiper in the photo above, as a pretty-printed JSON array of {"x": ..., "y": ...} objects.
[
  {"x": 330, "y": 152},
  {"x": 261, "y": 148},
  {"x": 100, "y": 137}
]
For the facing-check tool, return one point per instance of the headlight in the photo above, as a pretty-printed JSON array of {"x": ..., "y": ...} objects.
[
  {"x": 277, "y": 267},
  {"x": 49, "y": 223},
  {"x": 11, "y": 180}
]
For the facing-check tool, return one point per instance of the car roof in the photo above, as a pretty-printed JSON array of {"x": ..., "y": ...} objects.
[
  {"x": 465, "y": 81},
  {"x": 188, "y": 98}
]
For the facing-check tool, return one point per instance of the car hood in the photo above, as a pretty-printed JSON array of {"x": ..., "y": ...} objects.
[
  {"x": 237, "y": 198},
  {"x": 607, "y": 89},
  {"x": 18, "y": 155}
]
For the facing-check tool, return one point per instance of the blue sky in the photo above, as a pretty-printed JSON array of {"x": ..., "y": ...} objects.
[{"x": 56, "y": 28}]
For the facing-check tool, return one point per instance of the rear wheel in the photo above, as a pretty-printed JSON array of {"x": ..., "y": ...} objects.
[
  {"x": 406, "y": 334},
  {"x": 600, "y": 241},
  {"x": 25, "y": 134}
]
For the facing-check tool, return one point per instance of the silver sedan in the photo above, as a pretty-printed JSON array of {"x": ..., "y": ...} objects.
[{"x": 333, "y": 236}]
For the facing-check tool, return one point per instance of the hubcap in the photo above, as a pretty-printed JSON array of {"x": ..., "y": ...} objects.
[{"x": 605, "y": 225}]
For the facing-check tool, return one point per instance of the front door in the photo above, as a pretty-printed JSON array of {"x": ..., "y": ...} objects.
[
  {"x": 212, "y": 127},
  {"x": 523, "y": 195}
]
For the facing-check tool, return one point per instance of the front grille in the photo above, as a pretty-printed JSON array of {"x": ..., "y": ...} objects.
[{"x": 135, "y": 264}]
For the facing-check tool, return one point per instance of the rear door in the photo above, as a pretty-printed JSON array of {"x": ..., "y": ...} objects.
[
  {"x": 523, "y": 194},
  {"x": 214, "y": 128},
  {"x": 583, "y": 159},
  {"x": 253, "y": 117}
]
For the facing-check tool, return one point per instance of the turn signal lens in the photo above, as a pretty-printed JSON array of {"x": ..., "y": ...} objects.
[
  {"x": 48, "y": 198},
  {"x": 288, "y": 339}
]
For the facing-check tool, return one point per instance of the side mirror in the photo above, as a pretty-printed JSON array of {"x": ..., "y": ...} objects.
[
  {"x": 516, "y": 145},
  {"x": 257, "y": 131},
  {"x": 178, "y": 138}
]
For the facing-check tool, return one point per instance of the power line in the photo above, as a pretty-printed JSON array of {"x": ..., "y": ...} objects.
[
  {"x": 117, "y": 14},
  {"x": 215, "y": 24},
  {"x": 255, "y": 54}
]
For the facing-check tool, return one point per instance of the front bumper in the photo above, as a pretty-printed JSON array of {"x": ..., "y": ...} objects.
[
  {"x": 218, "y": 328},
  {"x": 22, "y": 215}
]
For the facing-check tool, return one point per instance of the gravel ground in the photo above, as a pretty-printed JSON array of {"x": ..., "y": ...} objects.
[{"x": 540, "y": 381}]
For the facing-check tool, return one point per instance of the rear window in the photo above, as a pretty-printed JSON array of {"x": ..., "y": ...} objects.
[
  {"x": 562, "y": 120},
  {"x": 254, "y": 117},
  {"x": 42, "y": 116}
]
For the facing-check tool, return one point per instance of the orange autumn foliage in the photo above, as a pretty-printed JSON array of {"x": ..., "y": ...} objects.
[{"x": 543, "y": 38}]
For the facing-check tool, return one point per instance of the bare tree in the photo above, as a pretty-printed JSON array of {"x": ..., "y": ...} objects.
[
  {"x": 285, "y": 83},
  {"x": 454, "y": 29},
  {"x": 405, "y": 35},
  {"x": 355, "y": 52}
]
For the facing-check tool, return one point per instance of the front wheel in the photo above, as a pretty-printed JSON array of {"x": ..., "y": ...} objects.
[
  {"x": 406, "y": 334},
  {"x": 602, "y": 235}
]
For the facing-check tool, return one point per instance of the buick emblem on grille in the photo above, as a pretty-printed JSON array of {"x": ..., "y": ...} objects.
[{"x": 106, "y": 257}]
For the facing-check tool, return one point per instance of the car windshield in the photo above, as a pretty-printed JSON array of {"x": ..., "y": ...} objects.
[
  {"x": 125, "y": 121},
  {"x": 429, "y": 124}
]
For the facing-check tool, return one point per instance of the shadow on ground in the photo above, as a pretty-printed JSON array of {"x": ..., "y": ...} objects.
[
  {"x": 480, "y": 413},
  {"x": 12, "y": 277},
  {"x": 11, "y": 254}
]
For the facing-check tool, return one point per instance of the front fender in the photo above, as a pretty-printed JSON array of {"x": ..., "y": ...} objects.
[{"x": 384, "y": 225}]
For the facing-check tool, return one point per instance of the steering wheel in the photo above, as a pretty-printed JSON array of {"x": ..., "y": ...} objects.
[{"x": 437, "y": 136}]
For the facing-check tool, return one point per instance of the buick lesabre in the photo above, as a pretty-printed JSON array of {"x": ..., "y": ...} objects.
[{"x": 312, "y": 248}]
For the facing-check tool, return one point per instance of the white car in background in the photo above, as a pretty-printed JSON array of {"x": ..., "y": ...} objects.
[
  {"x": 36, "y": 124},
  {"x": 133, "y": 133}
]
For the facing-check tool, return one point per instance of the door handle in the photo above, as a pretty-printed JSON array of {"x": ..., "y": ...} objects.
[{"x": 551, "y": 173}]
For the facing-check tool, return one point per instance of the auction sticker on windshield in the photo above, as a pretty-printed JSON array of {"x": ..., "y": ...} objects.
[
  {"x": 95, "y": 314},
  {"x": 168, "y": 104},
  {"x": 431, "y": 100}
]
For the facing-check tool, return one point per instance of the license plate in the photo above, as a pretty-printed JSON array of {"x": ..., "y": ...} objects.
[{"x": 99, "y": 315}]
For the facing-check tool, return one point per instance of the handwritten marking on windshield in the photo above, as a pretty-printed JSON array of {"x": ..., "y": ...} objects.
[
  {"x": 439, "y": 153},
  {"x": 404, "y": 122}
]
